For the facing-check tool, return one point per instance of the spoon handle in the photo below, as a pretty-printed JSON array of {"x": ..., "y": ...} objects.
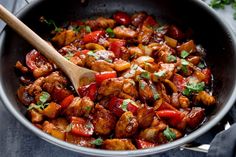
[{"x": 40, "y": 44}]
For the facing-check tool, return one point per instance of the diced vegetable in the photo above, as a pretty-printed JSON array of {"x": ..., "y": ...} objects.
[
  {"x": 105, "y": 75},
  {"x": 93, "y": 36},
  {"x": 81, "y": 127},
  {"x": 66, "y": 102},
  {"x": 122, "y": 18},
  {"x": 89, "y": 91}
]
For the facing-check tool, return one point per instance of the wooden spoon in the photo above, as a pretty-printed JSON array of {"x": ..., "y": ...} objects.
[{"x": 79, "y": 76}]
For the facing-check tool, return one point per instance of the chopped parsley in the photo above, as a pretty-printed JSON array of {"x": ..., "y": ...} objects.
[
  {"x": 142, "y": 84},
  {"x": 88, "y": 108},
  {"x": 125, "y": 103},
  {"x": 169, "y": 134},
  {"x": 43, "y": 98},
  {"x": 69, "y": 55},
  {"x": 110, "y": 32},
  {"x": 171, "y": 58},
  {"x": 193, "y": 87},
  {"x": 201, "y": 65},
  {"x": 91, "y": 53},
  {"x": 87, "y": 29},
  {"x": 97, "y": 142},
  {"x": 184, "y": 64},
  {"x": 146, "y": 75},
  {"x": 51, "y": 23},
  {"x": 154, "y": 92},
  {"x": 159, "y": 73},
  {"x": 184, "y": 54}
]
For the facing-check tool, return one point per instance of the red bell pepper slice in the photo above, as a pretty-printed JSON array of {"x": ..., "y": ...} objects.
[
  {"x": 81, "y": 127},
  {"x": 150, "y": 22},
  {"x": 180, "y": 82},
  {"x": 122, "y": 18},
  {"x": 105, "y": 75},
  {"x": 166, "y": 106},
  {"x": 174, "y": 117},
  {"x": 141, "y": 144},
  {"x": 114, "y": 106},
  {"x": 115, "y": 47},
  {"x": 59, "y": 94},
  {"x": 207, "y": 73},
  {"x": 89, "y": 91},
  {"x": 93, "y": 37},
  {"x": 66, "y": 102},
  {"x": 132, "y": 108},
  {"x": 81, "y": 52}
]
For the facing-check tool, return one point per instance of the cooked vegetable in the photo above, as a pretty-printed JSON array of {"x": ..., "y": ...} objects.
[{"x": 149, "y": 79}]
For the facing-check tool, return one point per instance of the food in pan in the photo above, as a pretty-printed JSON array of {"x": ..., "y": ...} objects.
[{"x": 152, "y": 86}]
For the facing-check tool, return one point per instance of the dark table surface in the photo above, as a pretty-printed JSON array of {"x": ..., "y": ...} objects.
[{"x": 18, "y": 141}]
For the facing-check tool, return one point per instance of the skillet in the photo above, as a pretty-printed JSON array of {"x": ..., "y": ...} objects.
[{"x": 208, "y": 28}]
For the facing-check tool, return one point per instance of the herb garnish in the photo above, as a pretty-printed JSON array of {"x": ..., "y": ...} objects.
[
  {"x": 169, "y": 134},
  {"x": 193, "y": 87},
  {"x": 184, "y": 54},
  {"x": 171, "y": 58},
  {"x": 146, "y": 75},
  {"x": 159, "y": 73},
  {"x": 51, "y": 23},
  {"x": 125, "y": 103},
  {"x": 97, "y": 142},
  {"x": 110, "y": 32},
  {"x": 44, "y": 97}
]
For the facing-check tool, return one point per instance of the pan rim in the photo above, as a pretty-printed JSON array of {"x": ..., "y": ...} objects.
[{"x": 97, "y": 152}]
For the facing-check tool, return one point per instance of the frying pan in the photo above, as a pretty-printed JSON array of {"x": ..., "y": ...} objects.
[{"x": 208, "y": 30}]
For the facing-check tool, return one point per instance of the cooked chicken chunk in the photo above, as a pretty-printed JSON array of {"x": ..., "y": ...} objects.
[{"x": 118, "y": 144}]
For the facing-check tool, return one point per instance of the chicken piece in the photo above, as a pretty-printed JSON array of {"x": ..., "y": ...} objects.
[
  {"x": 52, "y": 110},
  {"x": 100, "y": 22},
  {"x": 60, "y": 123},
  {"x": 103, "y": 120},
  {"x": 118, "y": 144},
  {"x": 138, "y": 18},
  {"x": 135, "y": 52},
  {"x": 99, "y": 55},
  {"x": 105, "y": 22},
  {"x": 101, "y": 65},
  {"x": 145, "y": 35},
  {"x": 114, "y": 86},
  {"x": 21, "y": 67},
  {"x": 24, "y": 96},
  {"x": 205, "y": 98},
  {"x": 126, "y": 126},
  {"x": 195, "y": 60},
  {"x": 53, "y": 130},
  {"x": 111, "y": 86},
  {"x": 145, "y": 116},
  {"x": 184, "y": 101},
  {"x": 35, "y": 116},
  {"x": 54, "y": 79},
  {"x": 145, "y": 91},
  {"x": 36, "y": 88},
  {"x": 124, "y": 32},
  {"x": 168, "y": 69},
  {"x": 67, "y": 49},
  {"x": 79, "y": 107},
  {"x": 79, "y": 140},
  {"x": 195, "y": 117},
  {"x": 64, "y": 37},
  {"x": 162, "y": 92},
  {"x": 121, "y": 65},
  {"x": 130, "y": 88},
  {"x": 152, "y": 134}
]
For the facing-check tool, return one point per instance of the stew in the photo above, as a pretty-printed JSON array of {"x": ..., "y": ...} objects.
[{"x": 152, "y": 85}]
